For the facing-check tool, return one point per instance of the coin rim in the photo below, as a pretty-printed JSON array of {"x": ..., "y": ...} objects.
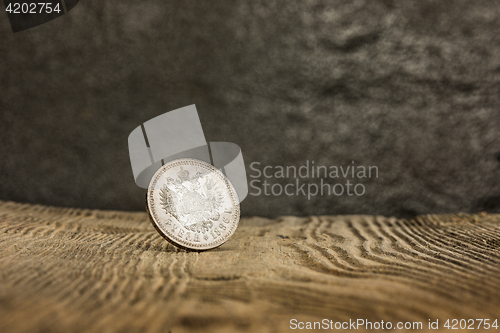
[{"x": 172, "y": 238}]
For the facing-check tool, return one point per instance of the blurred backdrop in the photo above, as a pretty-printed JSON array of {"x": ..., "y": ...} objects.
[{"x": 412, "y": 87}]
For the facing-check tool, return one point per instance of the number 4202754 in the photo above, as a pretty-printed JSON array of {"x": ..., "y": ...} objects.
[
  {"x": 32, "y": 8},
  {"x": 455, "y": 324}
]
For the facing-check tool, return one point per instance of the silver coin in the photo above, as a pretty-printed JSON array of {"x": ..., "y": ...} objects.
[{"x": 192, "y": 204}]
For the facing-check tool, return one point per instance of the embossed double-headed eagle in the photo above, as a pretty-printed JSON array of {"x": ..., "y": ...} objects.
[{"x": 195, "y": 205}]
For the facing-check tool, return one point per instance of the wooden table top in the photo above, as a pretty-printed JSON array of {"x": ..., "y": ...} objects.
[{"x": 74, "y": 270}]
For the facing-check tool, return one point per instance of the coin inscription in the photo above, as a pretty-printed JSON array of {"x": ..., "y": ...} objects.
[{"x": 192, "y": 204}]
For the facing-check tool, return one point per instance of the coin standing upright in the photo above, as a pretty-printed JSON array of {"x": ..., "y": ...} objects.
[{"x": 193, "y": 205}]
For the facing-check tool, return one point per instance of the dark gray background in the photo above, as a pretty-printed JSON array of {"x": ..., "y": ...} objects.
[{"x": 412, "y": 87}]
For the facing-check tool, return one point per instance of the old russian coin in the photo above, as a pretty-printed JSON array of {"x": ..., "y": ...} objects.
[{"x": 192, "y": 204}]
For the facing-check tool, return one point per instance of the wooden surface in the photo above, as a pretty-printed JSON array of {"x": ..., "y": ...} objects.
[{"x": 69, "y": 270}]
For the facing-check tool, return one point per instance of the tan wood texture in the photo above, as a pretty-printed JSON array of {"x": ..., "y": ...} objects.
[{"x": 72, "y": 270}]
